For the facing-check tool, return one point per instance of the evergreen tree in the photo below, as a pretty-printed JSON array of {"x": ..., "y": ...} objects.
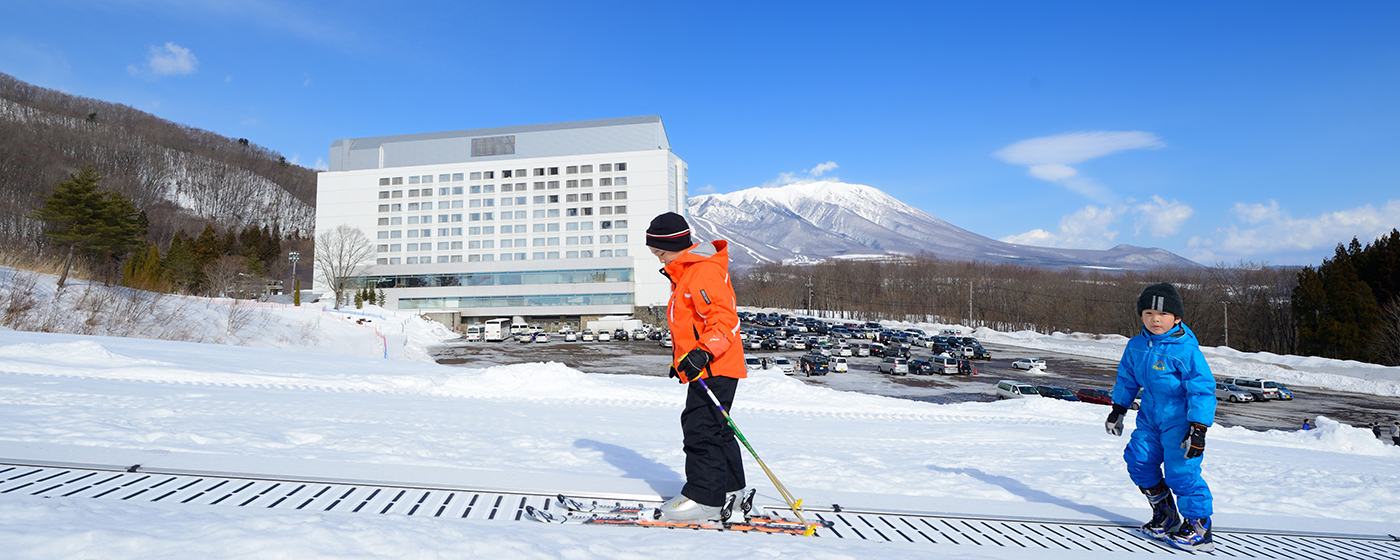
[
  {"x": 144, "y": 271},
  {"x": 1336, "y": 313},
  {"x": 207, "y": 248},
  {"x": 382, "y": 300},
  {"x": 359, "y": 298},
  {"x": 97, "y": 224},
  {"x": 181, "y": 267}
]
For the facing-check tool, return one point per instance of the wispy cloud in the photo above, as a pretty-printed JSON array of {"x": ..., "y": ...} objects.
[
  {"x": 805, "y": 176},
  {"x": 1094, "y": 227},
  {"x": 322, "y": 24},
  {"x": 707, "y": 189},
  {"x": 1090, "y": 227},
  {"x": 170, "y": 60},
  {"x": 1269, "y": 231},
  {"x": 1049, "y": 158}
]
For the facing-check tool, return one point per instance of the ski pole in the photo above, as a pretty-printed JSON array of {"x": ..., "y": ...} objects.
[{"x": 796, "y": 505}]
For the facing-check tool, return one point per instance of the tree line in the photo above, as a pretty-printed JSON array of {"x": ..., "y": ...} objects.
[
  {"x": 180, "y": 177},
  {"x": 1007, "y": 297},
  {"x": 1348, "y": 307}
]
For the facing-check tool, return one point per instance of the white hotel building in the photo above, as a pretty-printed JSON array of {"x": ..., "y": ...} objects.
[{"x": 542, "y": 221}]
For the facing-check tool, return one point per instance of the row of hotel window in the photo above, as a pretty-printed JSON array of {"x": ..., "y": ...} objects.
[
  {"x": 505, "y": 174},
  {"x": 506, "y": 187},
  {"x": 505, "y": 215},
  {"x": 491, "y": 230},
  {"x": 491, "y": 257},
  {"x": 505, "y": 243},
  {"x": 505, "y": 201}
]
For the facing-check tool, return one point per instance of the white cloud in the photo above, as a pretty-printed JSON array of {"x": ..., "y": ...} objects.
[
  {"x": 1255, "y": 213},
  {"x": 1160, "y": 217},
  {"x": 1088, "y": 228},
  {"x": 1048, "y": 158},
  {"x": 707, "y": 189},
  {"x": 170, "y": 60},
  {"x": 1272, "y": 232},
  {"x": 804, "y": 176},
  {"x": 321, "y": 165}
]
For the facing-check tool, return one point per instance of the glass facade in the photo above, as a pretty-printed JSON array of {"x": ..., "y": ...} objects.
[
  {"x": 578, "y": 276},
  {"x": 515, "y": 301}
]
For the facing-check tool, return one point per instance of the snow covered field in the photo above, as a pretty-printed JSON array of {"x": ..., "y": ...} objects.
[{"x": 338, "y": 408}]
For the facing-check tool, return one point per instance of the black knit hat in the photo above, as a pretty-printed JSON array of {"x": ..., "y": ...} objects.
[
  {"x": 1162, "y": 297},
  {"x": 669, "y": 232}
]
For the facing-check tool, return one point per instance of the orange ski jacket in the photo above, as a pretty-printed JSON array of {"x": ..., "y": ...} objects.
[{"x": 702, "y": 312}]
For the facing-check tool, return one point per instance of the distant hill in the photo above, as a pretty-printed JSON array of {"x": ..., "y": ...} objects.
[
  {"x": 827, "y": 220},
  {"x": 181, "y": 177}
]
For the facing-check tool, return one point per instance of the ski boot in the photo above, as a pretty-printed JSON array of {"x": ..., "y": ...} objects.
[
  {"x": 1164, "y": 515},
  {"x": 1193, "y": 535},
  {"x": 681, "y": 509}
]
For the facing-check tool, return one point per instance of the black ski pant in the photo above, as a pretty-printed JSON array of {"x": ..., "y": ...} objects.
[{"x": 713, "y": 462}]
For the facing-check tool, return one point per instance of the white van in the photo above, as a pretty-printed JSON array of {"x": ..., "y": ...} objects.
[
  {"x": 1016, "y": 390},
  {"x": 474, "y": 333}
]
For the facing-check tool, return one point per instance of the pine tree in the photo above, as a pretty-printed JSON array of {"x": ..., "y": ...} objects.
[
  {"x": 89, "y": 222},
  {"x": 144, "y": 271},
  {"x": 182, "y": 270},
  {"x": 359, "y": 298},
  {"x": 207, "y": 248},
  {"x": 382, "y": 299}
]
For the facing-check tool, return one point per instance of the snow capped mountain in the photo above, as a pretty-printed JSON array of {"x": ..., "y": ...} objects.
[{"x": 809, "y": 222}]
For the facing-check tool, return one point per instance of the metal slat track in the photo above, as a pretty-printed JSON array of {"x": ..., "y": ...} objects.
[{"x": 233, "y": 490}]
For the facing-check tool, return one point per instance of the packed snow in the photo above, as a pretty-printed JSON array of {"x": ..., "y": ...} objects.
[{"x": 253, "y": 402}]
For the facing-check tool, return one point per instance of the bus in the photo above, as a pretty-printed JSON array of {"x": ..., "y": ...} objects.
[{"x": 495, "y": 329}]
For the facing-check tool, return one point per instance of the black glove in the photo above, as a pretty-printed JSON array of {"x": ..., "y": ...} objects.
[
  {"x": 1195, "y": 442},
  {"x": 1114, "y": 425},
  {"x": 692, "y": 365},
  {"x": 672, "y": 373}
]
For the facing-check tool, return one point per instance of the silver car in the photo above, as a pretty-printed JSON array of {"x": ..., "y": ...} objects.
[{"x": 1228, "y": 392}]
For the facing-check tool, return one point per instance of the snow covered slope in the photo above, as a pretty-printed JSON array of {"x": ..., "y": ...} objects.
[{"x": 820, "y": 220}]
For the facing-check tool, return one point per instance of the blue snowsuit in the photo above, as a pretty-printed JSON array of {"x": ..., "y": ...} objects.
[{"x": 1177, "y": 389}]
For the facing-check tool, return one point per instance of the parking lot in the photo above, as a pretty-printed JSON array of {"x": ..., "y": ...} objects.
[{"x": 1063, "y": 370}]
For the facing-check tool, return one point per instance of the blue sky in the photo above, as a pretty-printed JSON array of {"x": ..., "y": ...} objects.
[{"x": 1258, "y": 131}]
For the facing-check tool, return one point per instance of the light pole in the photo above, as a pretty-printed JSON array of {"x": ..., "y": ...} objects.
[
  {"x": 296, "y": 282},
  {"x": 1227, "y": 322}
]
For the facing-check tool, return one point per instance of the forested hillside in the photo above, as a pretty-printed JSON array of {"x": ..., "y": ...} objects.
[{"x": 180, "y": 177}]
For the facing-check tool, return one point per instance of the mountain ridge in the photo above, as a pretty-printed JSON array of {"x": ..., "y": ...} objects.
[{"x": 818, "y": 220}]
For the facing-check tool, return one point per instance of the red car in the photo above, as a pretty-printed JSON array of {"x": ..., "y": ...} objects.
[{"x": 1096, "y": 396}]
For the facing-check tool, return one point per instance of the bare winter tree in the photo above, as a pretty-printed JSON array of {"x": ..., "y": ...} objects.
[
  {"x": 221, "y": 275},
  {"x": 340, "y": 253}
]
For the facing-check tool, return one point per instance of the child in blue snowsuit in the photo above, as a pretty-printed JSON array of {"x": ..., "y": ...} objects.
[{"x": 1178, "y": 404}]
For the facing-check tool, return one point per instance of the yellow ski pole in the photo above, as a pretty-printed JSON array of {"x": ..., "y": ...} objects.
[{"x": 796, "y": 505}]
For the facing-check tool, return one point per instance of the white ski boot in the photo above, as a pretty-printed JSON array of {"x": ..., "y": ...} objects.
[{"x": 681, "y": 509}]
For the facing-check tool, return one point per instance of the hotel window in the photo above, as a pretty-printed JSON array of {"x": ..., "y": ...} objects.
[
  {"x": 571, "y": 240},
  {"x": 505, "y": 174},
  {"x": 396, "y": 207},
  {"x": 520, "y": 187},
  {"x": 604, "y": 239},
  {"x": 585, "y": 240},
  {"x": 571, "y": 184},
  {"x": 619, "y": 239},
  {"x": 539, "y": 256},
  {"x": 622, "y": 167},
  {"x": 442, "y": 232},
  {"x": 442, "y": 245},
  {"x": 554, "y": 171},
  {"x": 473, "y": 258},
  {"x": 552, "y": 227},
  {"x": 412, "y": 246},
  {"x": 426, "y": 232},
  {"x": 456, "y": 231},
  {"x": 381, "y": 261},
  {"x": 455, "y": 204},
  {"x": 442, "y": 258},
  {"x": 384, "y": 221},
  {"x": 538, "y": 241},
  {"x": 427, "y": 192},
  {"x": 588, "y": 211},
  {"x": 604, "y": 209},
  {"x": 383, "y": 194},
  {"x": 552, "y": 255},
  {"x": 519, "y": 172},
  {"x": 585, "y": 183},
  {"x": 488, "y": 174},
  {"x": 476, "y": 175},
  {"x": 518, "y": 229},
  {"x": 476, "y": 217},
  {"x": 619, "y": 209},
  {"x": 571, "y": 226},
  {"x": 571, "y": 254},
  {"x": 585, "y": 226},
  {"x": 413, "y": 206},
  {"x": 456, "y": 258},
  {"x": 413, "y": 180},
  {"x": 473, "y": 244},
  {"x": 456, "y": 176},
  {"x": 488, "y": 216},
  {"x": 395, "y": 194},
  {"x": 383, "y": 235},
  {"x": 395, "y": 221},
  {"x": 413, "y": 220},
  {"x": 570, "y": 198},
  {"x": 619, "y": 181},
  {"x": 605, "y": 196},
  {"x": 539, "y": 213},
  {"x": 383, "y": 248},
  {"x": 457, "y": 190},
  {"x": 552, "y": 241},
  {"x": 605, "y": 182},
  {"x": 383, "y": 207},
  {"x": 605, "y": 168},
  {"x": 605, "y": 253},
  {"x": 506, "y": 187},
  {"x": 620, "y": 195},
  {"x": 553, "y": 184},
  {"x": 553, "y": 199},
  {"x": 585, "y": 254},
  {"x": 443, "y": 191},
  {"x": 443, "y": 178},
  {"x": 539, "y": 185},
  {"x": 505, "y": 243},
  {"x": 476, "y": 189},
  {"x": 395, "y": 234},
  {"x": 396, "y": 181},
  {"x": 571, "y": 212},
  {"x": 383, "y": 182},
  {"x": 588, "y": 197},
  {"x": 539, "y": 171},
  {"x": 491, "y": 202},
  {"x": 605, "y": 224},
  {"x": 488, "y": 244},
  {"x": 488, "y": 189},
  {"x": 571, "y": 170},
  {"x": 539, "y": 227},
  {"x": 395, "y": 247},
  {"x": 585, "y": 169},
  {"x": 620, "y": 224},
  {"x": 474, "y": 203}
]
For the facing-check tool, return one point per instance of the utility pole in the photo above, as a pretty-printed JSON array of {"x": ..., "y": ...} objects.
[
  {"x": 809, "y": 296},
  {"x": 1227, "y": 322},
  {"x": 969, "y": 303}
]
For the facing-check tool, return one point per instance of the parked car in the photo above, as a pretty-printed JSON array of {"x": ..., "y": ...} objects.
[
  {"x": 541, "y": 336},
  {"x": 785, "y": 365},
  {"x": 571, "y": 336},
  {"x": 620, "y": 334},
  {"x": 1231, "y": 393},
  {"x": 1263, "y": 389},
  {"x": 920, "y": 367},
  {"x": 976, "y": 352},
  {"x": 654, "y": 335},
  {"x": 1096, "y": 396},
  {"x": 666, "y": 340},
  {"x": 839, "y": 365},
  {"x": 752, "y": 363},
  {"x": 1284, "y": 393},
  {"x": 843, "y": 349},
  {"x": 604, "y": 336},
  {"x": 814, "y": 364},
  {"x": 1056, "y": 393},
  {"x": 1015, "y": 390},
  {"x": 894, "y": 365},
  {"x": 1028, "y": 363},
  {"x": 770, "y": 344},
  {"x": 587, "y": 336},
  {"x": 945, "y": 365}
]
